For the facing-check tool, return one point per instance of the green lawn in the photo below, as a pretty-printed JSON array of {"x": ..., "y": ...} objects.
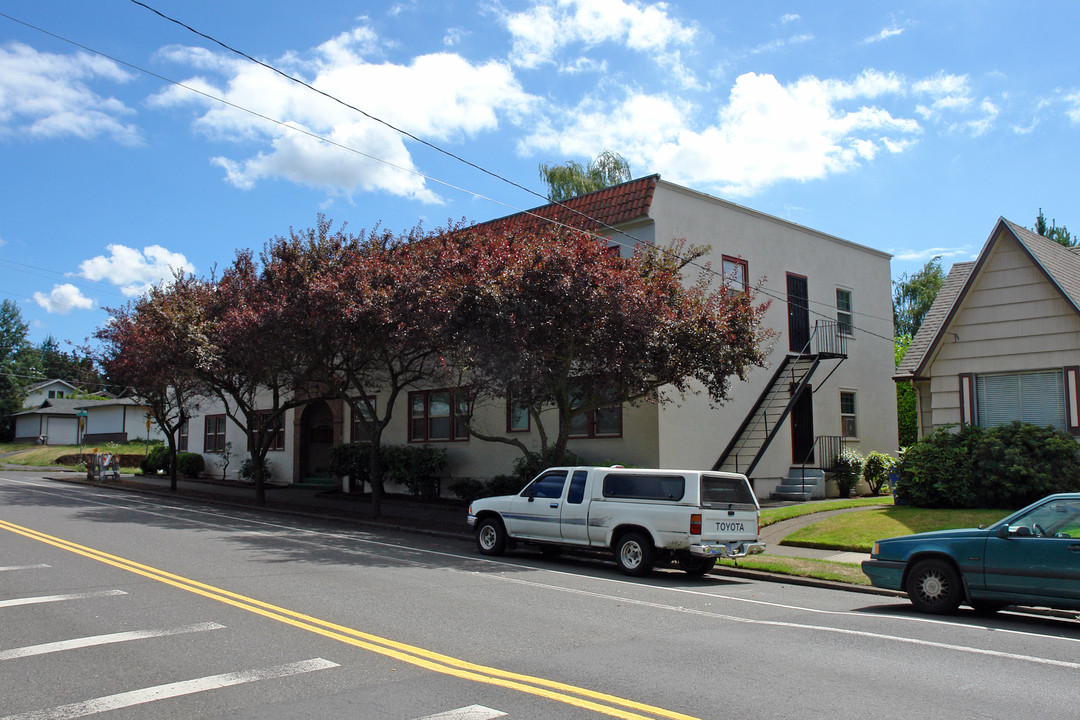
[
  {"x": 786, "y": 512},
  {"x": 46, "y": 455},
  {"x": 857, "y": 532},
  {"x": 802, "y": 567}
]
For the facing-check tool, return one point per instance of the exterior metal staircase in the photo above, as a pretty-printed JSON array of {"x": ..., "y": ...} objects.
[{"x": 787, "y": 385}]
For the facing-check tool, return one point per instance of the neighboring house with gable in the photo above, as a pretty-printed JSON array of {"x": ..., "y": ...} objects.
[
  {"x": 48, "y": 390},
  {"x": 56, "y": 421},
  {"x": 827, "y": 384},
  {"x": 1002, "y": 339}
]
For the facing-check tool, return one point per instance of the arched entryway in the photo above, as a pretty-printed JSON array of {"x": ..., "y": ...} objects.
[{"x": 316, "y": 439}]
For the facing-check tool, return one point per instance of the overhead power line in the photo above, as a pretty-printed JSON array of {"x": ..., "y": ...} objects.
[{"x": 428, "y": 144}]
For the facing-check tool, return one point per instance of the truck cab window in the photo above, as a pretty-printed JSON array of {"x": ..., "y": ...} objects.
[{"x": 548, "y": 485}]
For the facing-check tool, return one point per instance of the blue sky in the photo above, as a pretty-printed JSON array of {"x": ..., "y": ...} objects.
[{"x": 908, "y": 127}]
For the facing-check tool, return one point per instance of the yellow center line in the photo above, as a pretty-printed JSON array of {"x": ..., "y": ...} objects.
[{"x": 445, "y": 664}]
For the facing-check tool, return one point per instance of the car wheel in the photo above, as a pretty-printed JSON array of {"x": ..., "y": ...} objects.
[
  {"x": 693, "y": 565},
  {"x": 491, "y": 536},
  {"x": 933, "y": 586},
  {"x": 634, "y": 553}
]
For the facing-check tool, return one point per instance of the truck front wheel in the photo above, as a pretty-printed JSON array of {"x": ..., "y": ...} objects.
[
  {"x": 491, "y": 536},
  {"x": 635, "y": 554}
]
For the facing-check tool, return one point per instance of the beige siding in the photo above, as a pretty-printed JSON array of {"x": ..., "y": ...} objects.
[{"x": 1013, "y": 319}]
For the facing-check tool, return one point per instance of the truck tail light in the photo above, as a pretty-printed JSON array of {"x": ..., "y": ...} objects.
[{"x": 695, "y": 524}]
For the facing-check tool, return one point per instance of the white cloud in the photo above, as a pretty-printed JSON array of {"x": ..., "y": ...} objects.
[
  {"x": 440, "y": 97},
  {"x": 885, "y": 34},
  {"x": 134, "y": 271},
  {"x": 542, "y": 31},
  {"x": 45, "y": 96},
  {"x": 63, "y": 299},
  {"x": 765, "y": 133},
  {"x": 924, "y": 254},
  {"x": 951, "y": 98},
  {"x": 789, "y": 18},
  {"x": 1073, "y": 112}
]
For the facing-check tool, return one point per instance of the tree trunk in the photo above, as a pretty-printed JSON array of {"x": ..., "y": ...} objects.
[
  {"x": 375, "y": 476},
  {"x": 172, "y": 462}
]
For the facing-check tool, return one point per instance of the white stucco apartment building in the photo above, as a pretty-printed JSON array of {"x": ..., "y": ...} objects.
[{"x": 829, "y": 379}]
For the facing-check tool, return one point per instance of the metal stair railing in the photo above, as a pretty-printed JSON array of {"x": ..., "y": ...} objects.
[{"x": 830, "y": 343}]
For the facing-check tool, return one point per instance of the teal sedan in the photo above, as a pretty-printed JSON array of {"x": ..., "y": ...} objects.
[{"x": 1031, "y": 557}]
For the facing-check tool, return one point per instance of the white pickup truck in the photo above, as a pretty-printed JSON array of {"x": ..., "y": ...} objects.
[{"x": 643, "y": 516}]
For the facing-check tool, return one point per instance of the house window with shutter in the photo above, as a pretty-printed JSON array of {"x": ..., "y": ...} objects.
[{"x": 1032, "y": 397}]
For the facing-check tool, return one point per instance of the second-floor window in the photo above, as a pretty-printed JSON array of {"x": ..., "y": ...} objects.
[
  {"x": 437, "y": 415},
  {"x": 214, "y": 435},
  {"x": 845, "y": 315},
  {"x": 736, "y": 273}
]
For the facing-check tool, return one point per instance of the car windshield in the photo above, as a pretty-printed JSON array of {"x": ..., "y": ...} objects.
[{"x": 1060, "y": 518}]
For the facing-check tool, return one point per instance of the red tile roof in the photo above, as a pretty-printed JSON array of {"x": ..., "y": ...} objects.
[{"x": 592, "y": 212}]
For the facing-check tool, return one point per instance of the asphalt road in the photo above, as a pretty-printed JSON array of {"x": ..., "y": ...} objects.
[{"x": 145, "y": 607}]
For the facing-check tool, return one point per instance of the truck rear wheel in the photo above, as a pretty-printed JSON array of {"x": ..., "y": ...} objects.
[
  {"x": 635, "y": 554},
  {"x": 694, "y": 565},
  {"x": 491, "y": 536}
]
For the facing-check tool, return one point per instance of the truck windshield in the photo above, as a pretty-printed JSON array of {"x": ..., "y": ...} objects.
[{"x": 718, "y": 490}]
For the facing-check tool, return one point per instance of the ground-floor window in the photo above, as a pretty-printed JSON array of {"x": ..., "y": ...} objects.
[
  {"x": 361, "y": 421},
  {"x": 849, "y": 423},
  {"x": 276, "y": 428},
  {"x": 214, "y": 434},
  {"x": 438, "y": 415},
  {"x": 1032, "y": 397},
  {"x": 182, "y": 439}
]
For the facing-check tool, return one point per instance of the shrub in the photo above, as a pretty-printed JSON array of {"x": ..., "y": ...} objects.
[
  {"x": 847, "y": 467},
  {"x": 414, "y": 467},
  {"x": 529, "y": 466},
  {"x": 156, "y": 460},
  {"x": 1002, "y": 467},
  {"x": 417, "y": 468},
  {"x": 503, "y": 485},
  {"x": 352, "y": 459},
  {"x": 190, "y": 464},
  {"x": 937, "y": 470},
  {"x": 247, "y": 470},
  {"x": 1019, "y": 463},
  {"x": 467, "y": 489},
  {"x": 876, "y": 469}
]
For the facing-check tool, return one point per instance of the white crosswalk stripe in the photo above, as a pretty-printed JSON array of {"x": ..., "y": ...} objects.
[
  {"x": 60, "y": 646},
  {"x": 472, "y": 712},
  {"x": 14, "y": 602},
  {"x": 171, "y": 690}
]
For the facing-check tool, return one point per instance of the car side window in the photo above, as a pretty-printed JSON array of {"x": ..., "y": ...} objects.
[
  {"x": 548, "y": 485},
  {"x": 577, "y": 487},
  {"x": 1059, "y": 519}
]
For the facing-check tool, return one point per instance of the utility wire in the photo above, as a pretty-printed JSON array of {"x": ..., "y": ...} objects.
[{"x": 435, "y": 147}]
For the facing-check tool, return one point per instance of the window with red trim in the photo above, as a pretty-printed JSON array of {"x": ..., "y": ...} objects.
[
  {"x": 214, "y": 434},
  {"x": 438, "y": 415}
]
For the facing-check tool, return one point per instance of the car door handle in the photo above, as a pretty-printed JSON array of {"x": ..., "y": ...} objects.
[
  {"x": 1074, "y": 548},
  {"x": 554, "y": 505}
]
